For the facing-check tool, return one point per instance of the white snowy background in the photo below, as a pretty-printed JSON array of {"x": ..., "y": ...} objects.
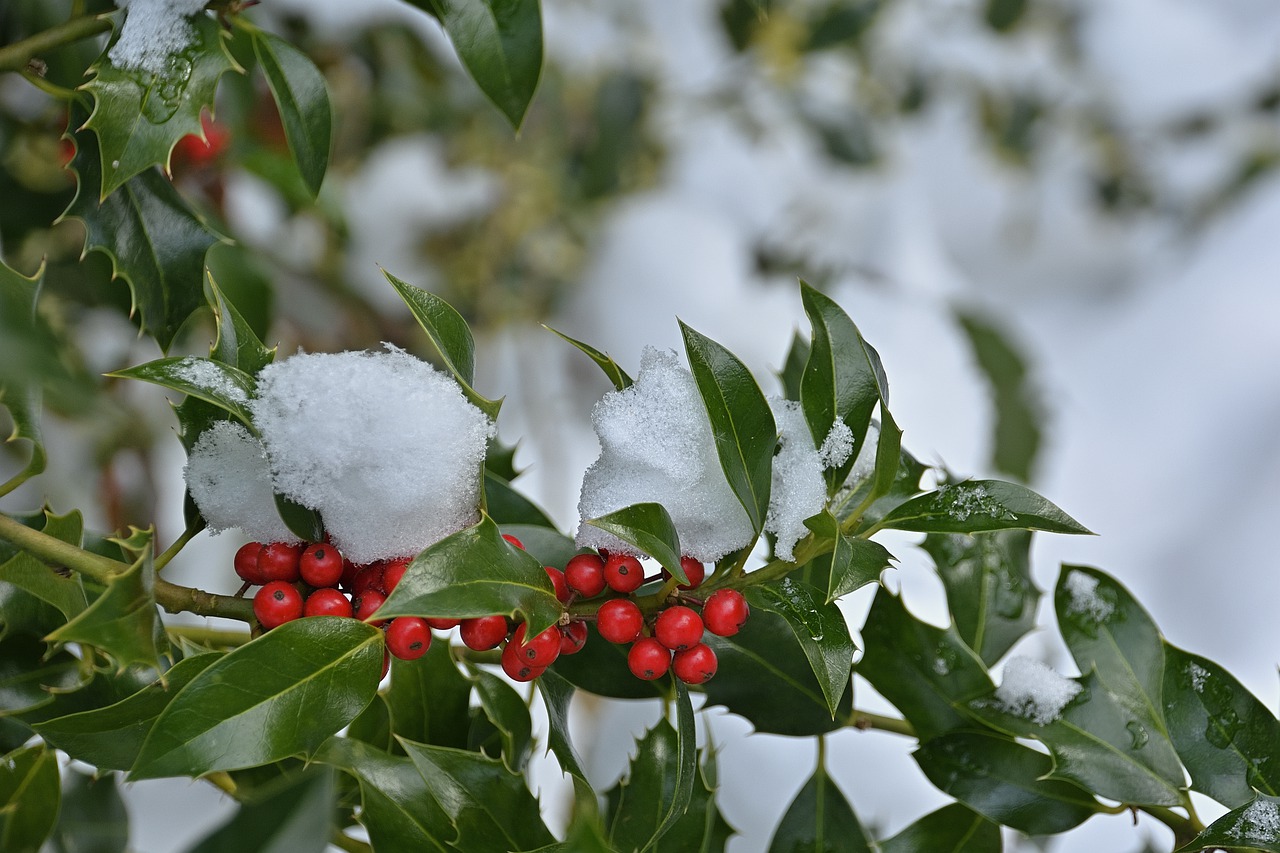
[{"x": 1156, "y": 351}]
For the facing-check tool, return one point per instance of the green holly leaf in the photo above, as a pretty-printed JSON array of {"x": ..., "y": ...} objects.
[
  {"x": 546, "y": 545},
  {"x": 26, "y": 573},
  {"x": 139, "y": 116},
  {"x": 793, "y": 368},
  {"x": 649, "y": 527},
  {"x": 928, "y": 673},
  {"x": 155, "y": 242},
  {"x": 29, "y": 796},
  {"x": 475, "y": 572},
  {"x": 556, "y": 694},
  {"x": 507, "y": 506},
  {"x": 429, "y": 698},
  {"x": 30, "y": 677},
  {"x": 293, "y": 815},
  {"x": 111, "y": 737},
  {"x": 975, "y": 506},
  {"x": 951, "y": 829},
  {"x": 1227, "y": 739},
  {"x": 819, "y": 820},
  {"x": 1005, "y": 781},
  {"x": 990, "y": 591},
  {"x": 621, "y": 381},
  {"x": 281, "y": 695},
  {"x": 703, "y": 828},
  {"x": 236, "y": 343},
  {"x": 302, "y": 100},
  {"x": 1251, "y": 827},
  {"x": 26, "y": 346},
  {"x": 505, "y": 708},
  {"x": 93, "y": 817},
  {"x": 226, "y": 387},
  {"x": 818, "y": 626},
  {"x": 854, "y": 562}
]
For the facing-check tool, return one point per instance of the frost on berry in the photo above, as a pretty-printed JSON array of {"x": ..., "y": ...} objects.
[
  {"x": 656, "y": 445},
  {"x": 383, "y": 445},
  {"x": 229, "y": 479}
]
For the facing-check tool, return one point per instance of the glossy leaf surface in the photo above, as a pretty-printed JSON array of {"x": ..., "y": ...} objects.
[
  {"x": 500, "y": 43},
  {"x": 854, "y": 562},
  {"x": 979, "y": 505},
  {"x": 819, "y": 820},
  {"x": 506, "y": 710},
  {"x": 621, "y": 381},
  {"x": 951, "y": 829},
  {"x": 93, "y": 817},
  {"x": 818, "y": 627},
  {"x": 29, "y": 796},
  {"x": 224, "y": 386},
  {"x": 429, "y": 697},
  {"x": 1252, "y": 827},
  {"x": 649, "y": 527},
  {"x": 292, "y": 816},
  {"x": 302, "y": 100}
]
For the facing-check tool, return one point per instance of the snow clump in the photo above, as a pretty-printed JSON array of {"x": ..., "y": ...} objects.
[
  {"x": 1034, "y": 691},
  {"x": 385, "y": 447},
  {"x": 153, "y": 30},
  {"x": 1084, "y": 598},
  {"x": 230, "y": 481},
  {"x": 1258, "y": 823},
  {"x": 799, "y": 489},
  {"x": 656, "y": 445}
]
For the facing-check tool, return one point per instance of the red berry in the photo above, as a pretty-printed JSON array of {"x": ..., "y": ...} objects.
[
  {"x": 695, "y": 665},
  {"x": 408, "y": 637},
  {"x": 483, "y": 633},
  {"x": 320, "y": 565},
  {"x": 648, "y": 659},
  {"x": 192, "y": 151},
  {"x": 367, "y": 603},
  {"x": 368, "y": 578},
  {"x": 277, "y": 603},
  {"x": 278, "y": 561},
  {"x": 516, "y": 667},
  {"x": 619, "y": 620},
  {"x": 623, "y": 573},
  {"x": 694, "y": 571},
  {"x": 247, "y": 563},
  {"x": 392, "y": 572},
  {"x": 327, "y": 602},
  {"x": 558, "y": 583},
  {"x": 541, "y": 649},
  {"x": 513, "y": 540},
  {"x": 585, "y": 575},
  {"x": 678, "y": 628},
  {"x": 573, "y": 637},
  {"x": 443, "y": 624},
  {"x": 724, "y": 612}
]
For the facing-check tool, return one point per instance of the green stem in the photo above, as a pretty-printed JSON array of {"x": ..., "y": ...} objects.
[
  {"x": 1185, "y": 829},
  {"x": 341, "y": 840},
  {"x": 863, "y": 720},
  {"x": 17, "y": 56},
  {"x": 209, "y": 636},
  {"x": 172, "y": 550},
  {"x": 53, "y": 550},
  {"x": 185, "y": 599}
]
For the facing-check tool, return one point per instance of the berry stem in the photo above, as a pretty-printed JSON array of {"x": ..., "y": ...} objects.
[
  {"x": 209, "y": 636},
  {"x": 863, "y": 720},
  {"x": 54, "y": 551},
  {"x": 172, "y": 551},
  {"x": 17, "y": 56}
]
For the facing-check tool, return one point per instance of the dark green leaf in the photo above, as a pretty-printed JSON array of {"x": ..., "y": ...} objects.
[
  {"x": 474, "y": 572},
  {"x": 741, "y": 421},
  {"x": 506, "y": 710},
  {"x": 601, "y": 668},
  {"x": 278, "y": 696},
  {"x": 659, "y": 784},
  {"x": 702, "y": 829},
  {"x": 236, "y": 343},
  {"x": 818, "y": 626},
  {"x": 500, "y": 43},
  {"x": 556, "y": 694},
  {"x": 1252, "y": 827},
  {"x": 111, "y": 737},
  {"x": 1228, "y": 740},
  {"x": 27, "y": 345},
  {"x": 450, "y": 336},
  {"x": 303, "y": 522},
  {"x": 793, "y": 370},
  {"x": 649, "y": 527},
  {"x": 139, "y": 116},
  {"x": 429, "y": 697},
  {"x": 293, "y": 816},
  {"x": 507, "y": 506},
  {"x": 819, "y": 820},
  {"x": 621, "y": 381},
  {"x": 93, "y": 818},
  {"x": 490, "y": 806},
  {"x": 29, "y": 795},
  {"x": 975, "y": 506},
  {"x": 225, "y": 386},
  {"x": 888, "y": 456},
  {"x": 1016, "y": 431},
  {"x": 35, "y": 578},
  {"x": 854, "y": 562},
  {"x": 373, "y": 725},
  {"x": 546, "y": 545},
  {"x": 1005, "y": 781},
  {"x": 765, "y": 676},
  {"x": 990, "y": 591},
  {"x": 29, "y": 678},
  {"x": 155, "y": 242},
  {"x": 303, "y": 102},
  {"x": 91, "y": 690},
  {"x": 951, "y": 829},
  {"x": 927, "y": 673}
]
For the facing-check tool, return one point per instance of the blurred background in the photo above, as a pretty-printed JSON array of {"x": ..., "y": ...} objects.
[{"x": 1055, "y": 219}]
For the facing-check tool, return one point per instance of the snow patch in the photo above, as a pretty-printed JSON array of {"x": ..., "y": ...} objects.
[
  {"x": 1034, "y": 691},
  {"x": 153, "y": 31},
  {"x": 1084, "y": 598},
  {"x": 1258, "y": 823},
  {"x": 203, "y": 373},
  {"x": 798, "y": 490},
  {"x": 229, "y": 478}
]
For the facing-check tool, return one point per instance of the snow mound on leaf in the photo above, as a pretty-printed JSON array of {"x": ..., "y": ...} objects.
[
  {"x": 153, "y": 31},
  {"x": 384, "y": 446},
  {"x": 1034, "y": 691},
  {"x": 656, "y": 445},
  {"x": 229, "y": 479},
  {"x": 798, "y": 490}
]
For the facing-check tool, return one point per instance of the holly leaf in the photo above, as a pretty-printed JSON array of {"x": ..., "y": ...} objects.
[
  {"x": 429, "y": 698},
  {"x": 649, "y": 527},
  {"x": 702, "y": 829},
  {"x": 818, "y": 626},
  {"x": 226, "y": 387},
  {"x": 24, "y": 572},
  {"x": 139, "y": 116},
  {"x": 506, "y": 710},
  {"x": 29, "y": 796},
  {"x": 819, "y": 819},
  {"x": 281, "y": 695},
  {"x": 475, "y": 572},
  {"x": 302, "y": 100},
  {"x": 93, "y": 817},
  {"x": 855, "y": 562},
  {"x": 294, "y": 815},
  {"x": 236, "y": 343},
  {"x": 951, "y": 829},
  {"x": 1251, "y": 827},
  {"x": 556, "y": 694},
  {"x": 507, "y": 506},
  {"x": 26, "y": 344},
  {"x": 793, "y": 368},
  {"x": 621, "y": 381},
  {"x": 975, "y": 506},
  {"x": 30, "y": 678}
]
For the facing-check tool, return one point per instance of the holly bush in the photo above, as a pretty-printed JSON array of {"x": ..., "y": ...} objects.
[{"x": 721, "y": 529}]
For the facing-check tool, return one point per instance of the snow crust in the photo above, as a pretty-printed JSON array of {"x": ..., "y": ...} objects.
[
  {"x": 1084, "y": 598},
  {"x": 229, "y": 478},
  {"x": 153, "y": 31},
  {"x": 1034, "y": 691},
  {"x": 1259, "y": 822}
]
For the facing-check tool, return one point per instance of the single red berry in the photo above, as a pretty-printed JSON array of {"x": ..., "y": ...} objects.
[
  {"x": 648, "y": 659},
  {"x": 517, "y": 667},
  {"x": 724, "y": 612},
  {"x": 392, "y": 572},
  {"x": 443, "y": 624},
  {"x": 278, "y": 561},
  {"x": 367, "y": 603},
  {"x": 484, "y": 632},
  {"x": 623, "y": 573},
  {"x": 192, "y": 151},
  {"x": 585, "y": 575},
  {"x": 327, "y": 602},
  {"x": 573, "y": 637},
  {"x": 513, "y": 540},
  {"x": 368, "y": 578},
  {"x": 541, "y": 649},
  {"x": 678, "y": 628},
  {"x": 320, "y": 565},
  {"x": 619, "y": 620},
  {"x": 247, "y": 563},
  {"x": 558, "y": 583},
  {"x": 277, "y": 603},
  {"x": 408, "y": 637},
  {"x": 694, "y": 571},
  {"x": 695, "y": 665}
]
